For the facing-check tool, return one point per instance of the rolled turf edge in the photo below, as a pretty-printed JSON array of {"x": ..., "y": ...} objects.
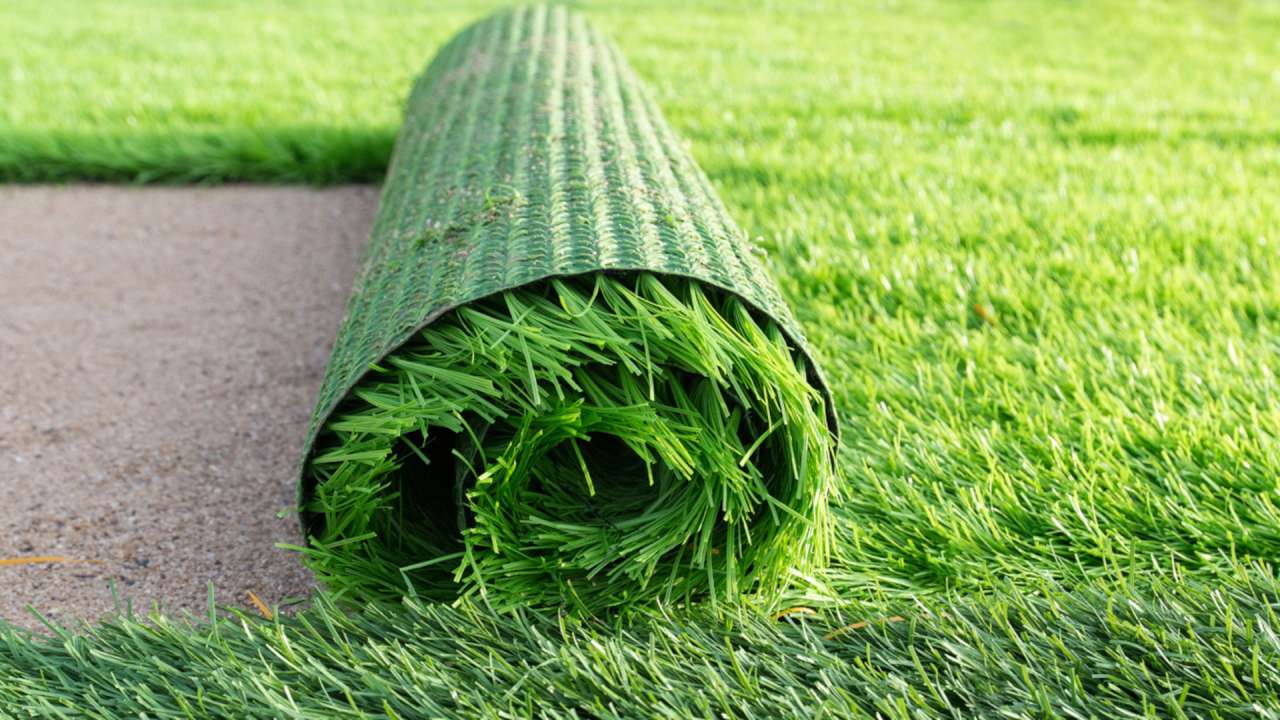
[{"x": 564, "y": 378}]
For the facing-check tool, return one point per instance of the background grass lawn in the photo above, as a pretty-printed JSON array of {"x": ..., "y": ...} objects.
[{"x": 1034, "y": 243}]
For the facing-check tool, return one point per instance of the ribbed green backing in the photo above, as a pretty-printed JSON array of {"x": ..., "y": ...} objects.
[{"x": 531, "y": 150}]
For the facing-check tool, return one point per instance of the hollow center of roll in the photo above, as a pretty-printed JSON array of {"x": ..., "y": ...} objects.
[
  {"x": 426, "y": 499},
  {"x": 602, "y": 475}
]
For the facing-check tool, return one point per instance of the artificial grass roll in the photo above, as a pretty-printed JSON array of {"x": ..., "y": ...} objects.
[{"x": 563, "y": 378}]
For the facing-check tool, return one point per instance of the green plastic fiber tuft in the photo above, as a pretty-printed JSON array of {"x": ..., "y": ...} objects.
[{"x": 564, "y": 378}]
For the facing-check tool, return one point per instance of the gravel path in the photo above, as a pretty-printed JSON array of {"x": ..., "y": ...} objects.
[{"x": 160, "y": 351}]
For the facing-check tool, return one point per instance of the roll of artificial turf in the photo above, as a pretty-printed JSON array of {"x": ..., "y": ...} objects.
[{"x": 564, "y": 379}]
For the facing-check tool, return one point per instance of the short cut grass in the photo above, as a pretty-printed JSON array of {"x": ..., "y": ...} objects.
[{"x": 595, "y": 443}]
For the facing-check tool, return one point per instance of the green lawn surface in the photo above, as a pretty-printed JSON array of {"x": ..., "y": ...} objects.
[{"x": 1035, "y": 245}]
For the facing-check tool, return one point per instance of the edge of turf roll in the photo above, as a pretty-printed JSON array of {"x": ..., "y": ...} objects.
[{"x": 531, "y": 152}]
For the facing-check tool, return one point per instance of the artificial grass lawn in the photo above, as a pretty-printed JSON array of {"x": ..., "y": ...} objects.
[{"x": 1032, "y": 245}]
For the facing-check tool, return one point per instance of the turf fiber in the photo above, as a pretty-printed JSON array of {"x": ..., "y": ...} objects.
[{"x": 1028, "y": 242}]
